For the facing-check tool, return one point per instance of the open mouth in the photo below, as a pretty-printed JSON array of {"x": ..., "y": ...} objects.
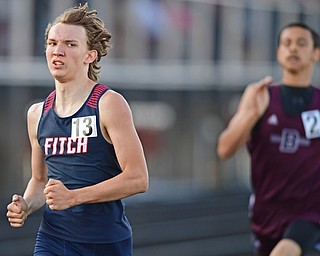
[
  {"x": 58, "y": 63},
  {"x": 293, "y": 58}
]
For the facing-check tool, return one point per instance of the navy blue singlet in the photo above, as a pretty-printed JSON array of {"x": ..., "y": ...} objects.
[{"x": 77, "y": 154}]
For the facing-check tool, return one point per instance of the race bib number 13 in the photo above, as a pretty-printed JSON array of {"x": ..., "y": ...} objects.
[
  {"x": 311, "y": 123},
  {"x": 85, "y": 126}
]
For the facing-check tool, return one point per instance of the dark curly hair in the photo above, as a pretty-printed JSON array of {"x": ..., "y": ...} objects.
[{"x": 98, "y": 36}]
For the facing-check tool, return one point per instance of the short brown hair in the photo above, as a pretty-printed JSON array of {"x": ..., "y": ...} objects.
[{"x": 98, "y": 36}]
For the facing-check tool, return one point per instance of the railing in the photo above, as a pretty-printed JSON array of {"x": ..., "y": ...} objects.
[{"x": 176, "y": 43}]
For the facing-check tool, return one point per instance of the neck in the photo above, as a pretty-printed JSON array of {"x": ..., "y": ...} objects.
[
  {"x": 297, "y": 79},
  {"x": 70, "y": 96}
]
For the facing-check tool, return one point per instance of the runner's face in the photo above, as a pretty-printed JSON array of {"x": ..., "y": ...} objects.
[
  {"x": 296, "y": 50},
  {"x": 67, "y": 51}
]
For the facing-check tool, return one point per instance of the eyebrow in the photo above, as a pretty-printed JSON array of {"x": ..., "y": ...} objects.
[
  {"x": 66, "y": 41},
  {"x": 295, "y": 39}
]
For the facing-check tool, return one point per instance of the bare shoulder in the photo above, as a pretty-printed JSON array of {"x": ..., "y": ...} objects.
[
  {"x": 113, "y": 102},
  {"x": 112, "y": 97},
  {"x": 35, "y": 109},
  {"x": 34, "y": 112}
]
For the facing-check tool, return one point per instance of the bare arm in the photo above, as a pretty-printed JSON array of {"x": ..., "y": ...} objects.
[
  {"x": 117, "y": 120},
  {"x": 33, "y": 198},
  {"x": 34, "y": 192},
  {"x": 253, "y": 104},
  {"x": 117, "y": 123}
]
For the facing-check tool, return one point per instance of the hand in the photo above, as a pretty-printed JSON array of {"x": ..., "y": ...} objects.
[
  {"x": 17, "y": 211},
  {"x": 57, "y": 195},
  {"x": 256, "y": 97}
]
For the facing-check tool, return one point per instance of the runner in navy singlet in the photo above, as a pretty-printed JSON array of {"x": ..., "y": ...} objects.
[
  {"x": 86, "y": 154},
  {"x": 281, "y": 126}
]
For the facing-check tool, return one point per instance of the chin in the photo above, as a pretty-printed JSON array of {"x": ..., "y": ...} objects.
[
  {"x": 292, "y": 70},
  {"x": 56, "y": 75}
]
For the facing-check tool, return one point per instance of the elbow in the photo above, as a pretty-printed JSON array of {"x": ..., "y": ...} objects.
[
  {"x": 223, "y": 152},
  {"x": 142, "y": 185},
  {"x": 226, "y": 147},
  {"x": 144, "y": 189},
  {"x": 222, "y": 155}
]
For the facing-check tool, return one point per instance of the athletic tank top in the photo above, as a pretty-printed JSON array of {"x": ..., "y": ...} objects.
[
  {"x": 285, "y": 166},
  {"x": 77, "y": 154}
]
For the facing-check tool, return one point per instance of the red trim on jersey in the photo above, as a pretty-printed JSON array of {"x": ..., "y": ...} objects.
[
  {"x": 97, "y": 91},
  {"x": 49, "y": 102}
]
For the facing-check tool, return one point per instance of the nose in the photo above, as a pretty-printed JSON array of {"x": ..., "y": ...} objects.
[
  {"x": 58, "y": 50},
  {"x": 293, "y": 47}
]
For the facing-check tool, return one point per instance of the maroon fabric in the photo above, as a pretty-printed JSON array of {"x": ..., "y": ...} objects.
[{"x": 285, "y": 169}]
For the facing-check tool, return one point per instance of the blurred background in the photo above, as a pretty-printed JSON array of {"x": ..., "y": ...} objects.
[{"x": 182, "y": 65}]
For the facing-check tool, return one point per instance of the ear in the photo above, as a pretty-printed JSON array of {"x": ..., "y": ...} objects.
[
  {"x": 91, "y": 56},
  {"x": 316, "y": 55}
]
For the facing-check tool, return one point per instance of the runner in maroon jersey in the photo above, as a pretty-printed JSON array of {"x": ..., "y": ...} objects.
[{"x": 281, "y": 126}]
